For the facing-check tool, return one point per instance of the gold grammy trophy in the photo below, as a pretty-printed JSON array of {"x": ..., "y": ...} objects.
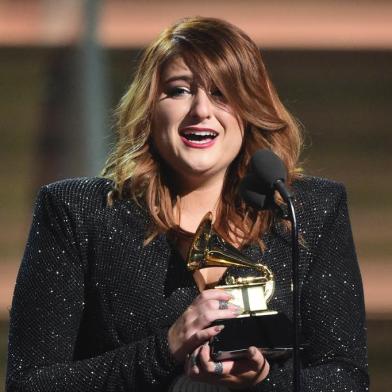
[{"x": 251, "y": 293}]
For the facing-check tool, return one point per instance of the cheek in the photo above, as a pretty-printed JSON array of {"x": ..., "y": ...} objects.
[
  {"x": 161, "y": 140},
  {"x": 235, "y": 132},
  {"x": 159, "y": 123},
  {"x": 169, "y": 114},
  {"x": 161, "y": 126},
  {"x": 236, "y": 145},
  {"x": 234, "y": 142}
]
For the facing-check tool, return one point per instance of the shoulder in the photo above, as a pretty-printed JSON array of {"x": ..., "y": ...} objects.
[
  {"x": 318, "y": 202},
  {"x": 86, "y": 199},
  {"x": 319, "y": 192},
  {"x": 318, "y": 186},
  {"x": 83, "y": 192}
]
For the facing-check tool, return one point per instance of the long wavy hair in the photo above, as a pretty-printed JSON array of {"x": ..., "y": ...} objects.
[{"x": 222, "y": 55}]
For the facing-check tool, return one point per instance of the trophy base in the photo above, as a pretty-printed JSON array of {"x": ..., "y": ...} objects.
[{"x": 272, "y": 332}]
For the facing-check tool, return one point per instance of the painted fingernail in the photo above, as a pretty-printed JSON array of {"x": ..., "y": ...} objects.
[
  {"x": 219, "y": 328},
  {"x": 252, "y": 350},
  {"x": 238, "y": 311}
]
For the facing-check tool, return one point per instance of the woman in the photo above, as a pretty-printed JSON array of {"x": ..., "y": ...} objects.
[{"x": 103, "y": 299}]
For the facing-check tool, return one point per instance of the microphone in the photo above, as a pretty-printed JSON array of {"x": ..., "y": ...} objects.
[
  {"x": 255, "y": 194},
  {"x": 271, "y": 173},
  {"x": 250, "y": 192}
]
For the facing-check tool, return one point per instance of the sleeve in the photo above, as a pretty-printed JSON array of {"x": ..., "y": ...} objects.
[
  {"x": 46, "y": 313},
  {"x": 332, "y": 314}
]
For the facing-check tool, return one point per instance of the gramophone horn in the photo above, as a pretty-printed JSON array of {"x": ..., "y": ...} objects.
[{"x": 208, "y": 249}]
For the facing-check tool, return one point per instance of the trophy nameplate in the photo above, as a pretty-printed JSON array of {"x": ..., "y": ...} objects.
[{"x": 250, "y": 295}]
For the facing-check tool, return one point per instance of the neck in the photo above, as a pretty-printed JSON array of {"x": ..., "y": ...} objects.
[{"x": 196, "y": 201}]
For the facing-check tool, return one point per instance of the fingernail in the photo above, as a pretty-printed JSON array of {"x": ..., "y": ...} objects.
[
  {"x": 252, "y": 351},
  {"x": 238, "y": 311},
  {"x": 229, "y": 294},
  {"x": 219, "y": 328}
]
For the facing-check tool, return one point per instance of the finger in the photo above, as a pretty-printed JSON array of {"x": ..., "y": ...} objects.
[
  {"x": 213, "y": 309},
  {"x": 204, "y": 335},
  {"x": 207, "y": 365},
  {"x": 255, "y": 355},
  {"x": 225, "y": 305},
  {"x": 192, "y": 363},
  {"x": 211, "y": 294},
  {"x": 205, "y": 359},
  {"x": 204, "y": 318},
  {"x": 216, "y": 304},
  {"x": 202, "y": 313},
  {"x": 262, "y": 366}
]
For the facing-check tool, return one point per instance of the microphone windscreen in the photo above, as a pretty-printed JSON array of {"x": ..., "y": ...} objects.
[
  {"x": 269, "y": 168},
  {"x": 250, "y": 192}
]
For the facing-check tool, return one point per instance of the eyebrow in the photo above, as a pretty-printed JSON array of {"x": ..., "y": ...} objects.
[{"x": 185, "y": 78}]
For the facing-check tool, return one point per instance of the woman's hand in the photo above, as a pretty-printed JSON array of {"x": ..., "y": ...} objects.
[
  {"x": 240, "y": 373},
  {"x": 192, "y": 329}
]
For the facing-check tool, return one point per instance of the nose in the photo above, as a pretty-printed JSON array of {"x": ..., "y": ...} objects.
[{"x": 201, "y": 105}]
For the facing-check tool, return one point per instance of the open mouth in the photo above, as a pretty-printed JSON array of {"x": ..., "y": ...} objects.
[{"x": 198, "y": 136}]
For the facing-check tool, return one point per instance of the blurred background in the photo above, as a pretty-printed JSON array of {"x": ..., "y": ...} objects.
[{"x": 64, "y": 64}]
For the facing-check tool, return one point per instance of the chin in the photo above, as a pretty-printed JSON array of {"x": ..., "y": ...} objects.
[
  {"x": 200, "y": 172},
  {"x": 199, "y": 167}
]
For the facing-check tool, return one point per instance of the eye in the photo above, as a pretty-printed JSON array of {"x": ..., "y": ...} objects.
[
  {"x": 178, "y": 91},
  {"x": 217, "y": 95}
]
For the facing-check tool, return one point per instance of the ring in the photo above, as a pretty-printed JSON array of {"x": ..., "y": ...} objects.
[
  {"x": 223, "y": 305},
  {"x": 218, "y": 368}
]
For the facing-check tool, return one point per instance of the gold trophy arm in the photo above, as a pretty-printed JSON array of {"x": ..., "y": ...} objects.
[{"x": 210, "y": 250}]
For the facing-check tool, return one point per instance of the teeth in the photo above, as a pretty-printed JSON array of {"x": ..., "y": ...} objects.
[
  {"x": 200, "y": 133},
  {"x": 199, "y": 136},
  {"x": 200, "y": 141}
]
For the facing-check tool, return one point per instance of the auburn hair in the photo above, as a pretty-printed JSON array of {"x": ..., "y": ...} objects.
[{"x": 219, "y": 54}]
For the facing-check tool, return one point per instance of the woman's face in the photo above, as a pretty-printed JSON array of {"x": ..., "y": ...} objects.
[{"x": 195, "y": 131}]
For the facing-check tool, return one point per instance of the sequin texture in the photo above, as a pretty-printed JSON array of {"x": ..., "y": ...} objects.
[{"x": 92, "y": 305}]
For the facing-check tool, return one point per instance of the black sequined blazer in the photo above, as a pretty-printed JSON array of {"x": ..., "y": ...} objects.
[{"x": 92, "y": 305}]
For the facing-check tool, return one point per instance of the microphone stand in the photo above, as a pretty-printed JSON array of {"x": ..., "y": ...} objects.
[{"x": 288, "y": 198}]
